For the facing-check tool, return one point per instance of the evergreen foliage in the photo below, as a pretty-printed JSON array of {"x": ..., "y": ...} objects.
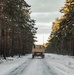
[
  {"x": 17, "y": 29},
  {"x": 64, "y": 35}
]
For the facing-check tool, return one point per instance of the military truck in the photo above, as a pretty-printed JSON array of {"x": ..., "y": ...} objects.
[{"x": 38, "y": 50}]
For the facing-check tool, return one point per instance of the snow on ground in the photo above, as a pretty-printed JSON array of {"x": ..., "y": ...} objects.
[
  {"x": 64, "y": 65},
  {"x": 10, "y": 64},
  {"x": 52, "y": 64}
]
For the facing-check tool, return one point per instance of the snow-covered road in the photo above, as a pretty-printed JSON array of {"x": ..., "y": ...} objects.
[{"x": 51, "y": 65}]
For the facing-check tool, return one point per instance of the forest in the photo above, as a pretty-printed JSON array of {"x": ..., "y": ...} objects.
[
  {"x": 17, "y": 28},
  {"x": 61, "y": 39}
]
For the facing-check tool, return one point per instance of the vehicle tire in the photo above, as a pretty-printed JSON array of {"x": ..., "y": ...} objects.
[
  {"x": 42, "y": 56},
  {"x": 32, "y": 56}
]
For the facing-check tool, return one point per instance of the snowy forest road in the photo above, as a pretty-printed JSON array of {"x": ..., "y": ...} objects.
[
  {"x": 50, "y": 65},
  {"x": 36, "y": 66}
]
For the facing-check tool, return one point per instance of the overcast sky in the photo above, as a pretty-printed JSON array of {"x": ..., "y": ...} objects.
[{"x": 45, "y": 12}]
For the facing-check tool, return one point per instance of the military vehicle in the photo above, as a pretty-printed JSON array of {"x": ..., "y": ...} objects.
[{"x": 38, "y": 50}]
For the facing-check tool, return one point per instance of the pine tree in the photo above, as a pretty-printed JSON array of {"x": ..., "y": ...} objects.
[
  {"x": 17, "y": 28},
  {"x": 64, "y": 35}
]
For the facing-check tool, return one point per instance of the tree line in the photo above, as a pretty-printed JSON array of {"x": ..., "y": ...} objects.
[
  {"x": 17, "y": 28},
  {"x": 61, "y": 40}
]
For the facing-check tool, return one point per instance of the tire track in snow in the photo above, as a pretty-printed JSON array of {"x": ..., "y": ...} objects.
[
  {"x": 21, "y": 68},
  {"x": 35, "y": 68},
  {"x": 47, "y": 70},
  {"x": 46, "y": 66},
  {"x": 57, "y": 66},
  {"x": 39, "y": 67}
]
